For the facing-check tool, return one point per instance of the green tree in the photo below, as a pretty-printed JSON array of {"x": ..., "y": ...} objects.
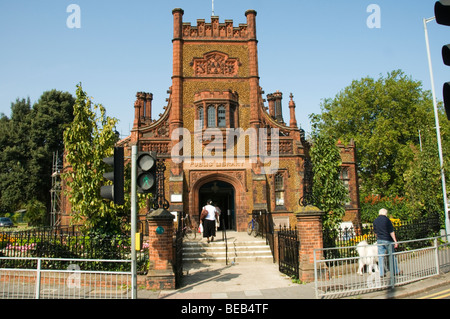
[
  {"x": 89, "y": 139},
  {"x": 28, "y": 140},
  {"x": 36, "y": 213},
  {"x": 329, "y": 192},
  {"x": 423, "y": 186},
  {"x": 15, "y": 187},
  {"x": 49, "y": 117},
  {"x": 383, "y": 117}
]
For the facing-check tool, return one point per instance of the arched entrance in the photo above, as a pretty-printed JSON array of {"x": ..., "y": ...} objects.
[
  {"x": 230, "y": 191},
  {"x": 223, "y": 196}
]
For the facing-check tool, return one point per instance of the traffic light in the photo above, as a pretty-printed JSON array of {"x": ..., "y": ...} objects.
[
  {"x": 114, "y": 192},
  {"x": 442, "y": 15},
  {"x": 146, "y": 172},
  {"x": 442, "y": 12}
]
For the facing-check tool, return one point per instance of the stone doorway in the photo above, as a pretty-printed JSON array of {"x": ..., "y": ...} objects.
[{"x": 223, "y": 196}]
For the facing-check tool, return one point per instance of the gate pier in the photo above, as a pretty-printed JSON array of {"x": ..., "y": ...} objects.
[
  {"x": 160, "y": 234},
  {"x": 309, "y": 227}
]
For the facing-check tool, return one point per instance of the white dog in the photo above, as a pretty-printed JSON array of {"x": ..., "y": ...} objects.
[{"x": 368, "y": 256}]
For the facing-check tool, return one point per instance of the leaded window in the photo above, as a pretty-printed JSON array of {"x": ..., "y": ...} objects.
[
  {"x": 279, "y": 189},
  {"x": 211, "y": 116},
  {"x": 201, "y": 116},
  {"x": 221, "y": 116}
]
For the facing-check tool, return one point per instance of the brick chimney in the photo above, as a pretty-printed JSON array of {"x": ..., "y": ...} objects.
[
  {"x": 278, "y": 96},
  {"x": 293, "y": 121}
]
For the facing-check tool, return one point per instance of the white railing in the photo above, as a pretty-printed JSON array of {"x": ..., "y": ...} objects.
[
  {"x": 37, "y": 278},
  {"x": 339, "y": 277}
]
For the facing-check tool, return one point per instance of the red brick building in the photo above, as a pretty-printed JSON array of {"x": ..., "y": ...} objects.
[{"x": 237, "y": 149}]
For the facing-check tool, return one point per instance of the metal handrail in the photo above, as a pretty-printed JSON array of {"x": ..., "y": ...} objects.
[{"x": 224, "y": 238}]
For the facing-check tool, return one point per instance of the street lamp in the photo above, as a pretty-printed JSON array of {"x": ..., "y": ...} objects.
[{"x": 438, "y": 129}]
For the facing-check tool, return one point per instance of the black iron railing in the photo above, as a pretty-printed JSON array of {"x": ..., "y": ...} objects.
[
  {"x": 288, "y": 251},
  {"x": 51, "y": 243},
  {"x": 265, "y": 227}
]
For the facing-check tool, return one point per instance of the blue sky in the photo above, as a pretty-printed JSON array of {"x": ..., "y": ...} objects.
[{"x": 313, "y": 49}]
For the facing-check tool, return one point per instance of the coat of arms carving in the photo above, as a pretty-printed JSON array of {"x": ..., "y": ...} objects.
[{"x": 215, "y": 64}]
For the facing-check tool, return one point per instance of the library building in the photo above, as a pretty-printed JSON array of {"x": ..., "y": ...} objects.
[{"x": 222, "y": 137}]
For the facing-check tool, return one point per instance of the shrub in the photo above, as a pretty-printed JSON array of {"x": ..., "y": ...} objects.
[{"x": 397, "y": 208}]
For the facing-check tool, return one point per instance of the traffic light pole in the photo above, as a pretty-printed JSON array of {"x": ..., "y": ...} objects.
[
  {"x": 438, "y": 129},
  {"x": 134, "y": 153}
]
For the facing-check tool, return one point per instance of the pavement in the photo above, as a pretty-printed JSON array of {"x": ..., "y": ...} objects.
[
  {"x": 259, "y": 280},
  {"x": 408, "y": 291},
  {"x": 262, "y": 280}
]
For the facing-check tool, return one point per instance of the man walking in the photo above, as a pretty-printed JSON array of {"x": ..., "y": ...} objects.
[{"x": 386, "y": 240}]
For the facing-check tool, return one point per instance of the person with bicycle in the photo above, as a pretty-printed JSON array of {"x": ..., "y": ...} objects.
[
  {"x": 253, "y": 226},
  {"x": 210, "y": 214}
]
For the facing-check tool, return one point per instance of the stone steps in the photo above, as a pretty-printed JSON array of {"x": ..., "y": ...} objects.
[{"x": 250, "y": 250}]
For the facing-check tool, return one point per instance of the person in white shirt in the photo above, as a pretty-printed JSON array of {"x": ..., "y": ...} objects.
[{"x": 209, "y": 222}]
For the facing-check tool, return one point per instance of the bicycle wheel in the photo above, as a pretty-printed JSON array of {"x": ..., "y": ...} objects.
[
  {"x": 250, "y": 228},
  {"x": 255, "y": 229},
  {"x": 190, "y": 234}
]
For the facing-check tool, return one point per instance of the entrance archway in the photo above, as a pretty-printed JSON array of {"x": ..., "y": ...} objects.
[
  {"x": 234, "y": 190},
  {"x": 223, "y": 196}
]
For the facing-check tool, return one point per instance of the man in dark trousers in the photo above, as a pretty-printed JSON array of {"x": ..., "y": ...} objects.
[{"x": 386, "y": 240}]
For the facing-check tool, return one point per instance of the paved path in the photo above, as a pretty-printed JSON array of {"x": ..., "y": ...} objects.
[{"x": 245, "y": 280}]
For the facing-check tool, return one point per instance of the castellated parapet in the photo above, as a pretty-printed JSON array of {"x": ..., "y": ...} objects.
[{"x": 217, "y": 30}]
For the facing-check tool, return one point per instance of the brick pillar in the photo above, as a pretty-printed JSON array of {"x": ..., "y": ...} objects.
[
  {"x": 148, "y": 106},
  {"x": 160, "y": 235},
  {"x": 278, "y": 96},
  {"x": 176, "y": 113},
  {"x": 253, "y": 69},
  {"x": 137, "y": 113},
  {"x": 309, "y": 227},
  {"x": 271, "y": 100}
]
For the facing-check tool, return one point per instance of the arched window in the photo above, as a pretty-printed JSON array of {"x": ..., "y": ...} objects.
[
  {"x": 232, "y": 111},
  {"x": 221, "y": 122},
  {"x": 211, "y": 116},
  {"x": 201, "y": 116}
]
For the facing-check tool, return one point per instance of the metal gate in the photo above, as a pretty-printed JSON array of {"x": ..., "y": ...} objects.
[
  {"x": 288, "y": 252},
  {"x": 345, "y": 276}
]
